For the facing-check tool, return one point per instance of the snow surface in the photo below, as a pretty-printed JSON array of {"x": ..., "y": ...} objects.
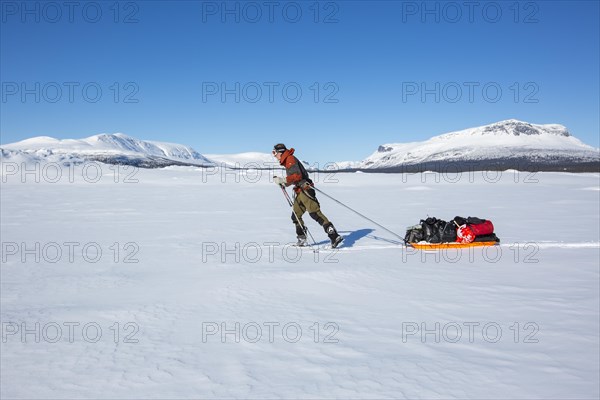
[{"x": 544, "y": 276}]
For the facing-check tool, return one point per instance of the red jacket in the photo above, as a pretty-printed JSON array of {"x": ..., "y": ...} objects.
[{"x": 296, "y": 173}]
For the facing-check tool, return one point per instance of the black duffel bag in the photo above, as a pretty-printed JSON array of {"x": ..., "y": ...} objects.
[
  {"x": 449, "y": 232},
  {"x": 438, "y": 231}
]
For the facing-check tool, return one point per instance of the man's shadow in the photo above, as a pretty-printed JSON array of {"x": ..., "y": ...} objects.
[{"x": 351, "y": 237}]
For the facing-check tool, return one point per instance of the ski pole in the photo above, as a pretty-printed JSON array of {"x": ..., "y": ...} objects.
[
  {"x": 356, "y": 212},
  {"x": 286, "y": 195},
  {"x": 304, "y": 227}
]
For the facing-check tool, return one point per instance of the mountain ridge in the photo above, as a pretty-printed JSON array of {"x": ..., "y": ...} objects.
[
  {"x": 509, "y": 144},
  {"x": 115, "y": 148}
]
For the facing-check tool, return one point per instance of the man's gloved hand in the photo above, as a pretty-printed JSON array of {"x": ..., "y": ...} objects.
[{"x": 279, "y": 180}]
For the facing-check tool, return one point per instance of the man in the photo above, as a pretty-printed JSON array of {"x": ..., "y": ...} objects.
[{"x": 305, "y": 197}]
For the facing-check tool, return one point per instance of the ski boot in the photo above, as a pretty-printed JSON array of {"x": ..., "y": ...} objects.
[
  {"x": 335, "y": 238},
  {"x": 301, "y": 241},
  {"x": 301, "y": 235}
]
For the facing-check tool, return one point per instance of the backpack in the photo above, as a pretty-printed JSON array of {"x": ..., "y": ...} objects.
[{"x": 414, "y": 234}]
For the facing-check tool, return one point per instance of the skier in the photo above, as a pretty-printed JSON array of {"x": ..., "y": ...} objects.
[{"x": 305, "y": 198}]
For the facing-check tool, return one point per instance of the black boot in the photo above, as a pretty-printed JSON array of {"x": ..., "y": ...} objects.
[
  {"x": 300, "y": 231},
  {"x": 301, "y": 235},
  {"x": 335, "y": 238}
]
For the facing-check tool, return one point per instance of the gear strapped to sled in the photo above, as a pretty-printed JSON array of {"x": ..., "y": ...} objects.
[{"x": 433, "y": 233}]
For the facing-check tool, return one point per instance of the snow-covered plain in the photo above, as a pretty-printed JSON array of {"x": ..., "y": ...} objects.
[{"x": 516, "y": 321}]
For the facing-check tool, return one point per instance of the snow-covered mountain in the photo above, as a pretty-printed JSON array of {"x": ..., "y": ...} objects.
[
  {"x": 119, "y": 148},
  {"x": 244, "y": 160},
  {"x": 251, "y": 160},
  {"x": 114, "y": 148},
  {"x": 509, "y": 144}
]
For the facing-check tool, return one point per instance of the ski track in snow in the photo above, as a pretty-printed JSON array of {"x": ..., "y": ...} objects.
[
  {"x": 541, "y": 245},
  {"x": 543, "y": 276}
]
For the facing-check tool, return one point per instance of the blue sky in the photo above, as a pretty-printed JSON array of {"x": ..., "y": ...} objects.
[{"x": 361, "y": 68}]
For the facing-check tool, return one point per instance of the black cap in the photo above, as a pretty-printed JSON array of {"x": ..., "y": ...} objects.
[{"x": 279, "y": 148}]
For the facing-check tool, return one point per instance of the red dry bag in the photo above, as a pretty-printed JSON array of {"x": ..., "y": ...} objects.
[{"x": 485, "y": 228}]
